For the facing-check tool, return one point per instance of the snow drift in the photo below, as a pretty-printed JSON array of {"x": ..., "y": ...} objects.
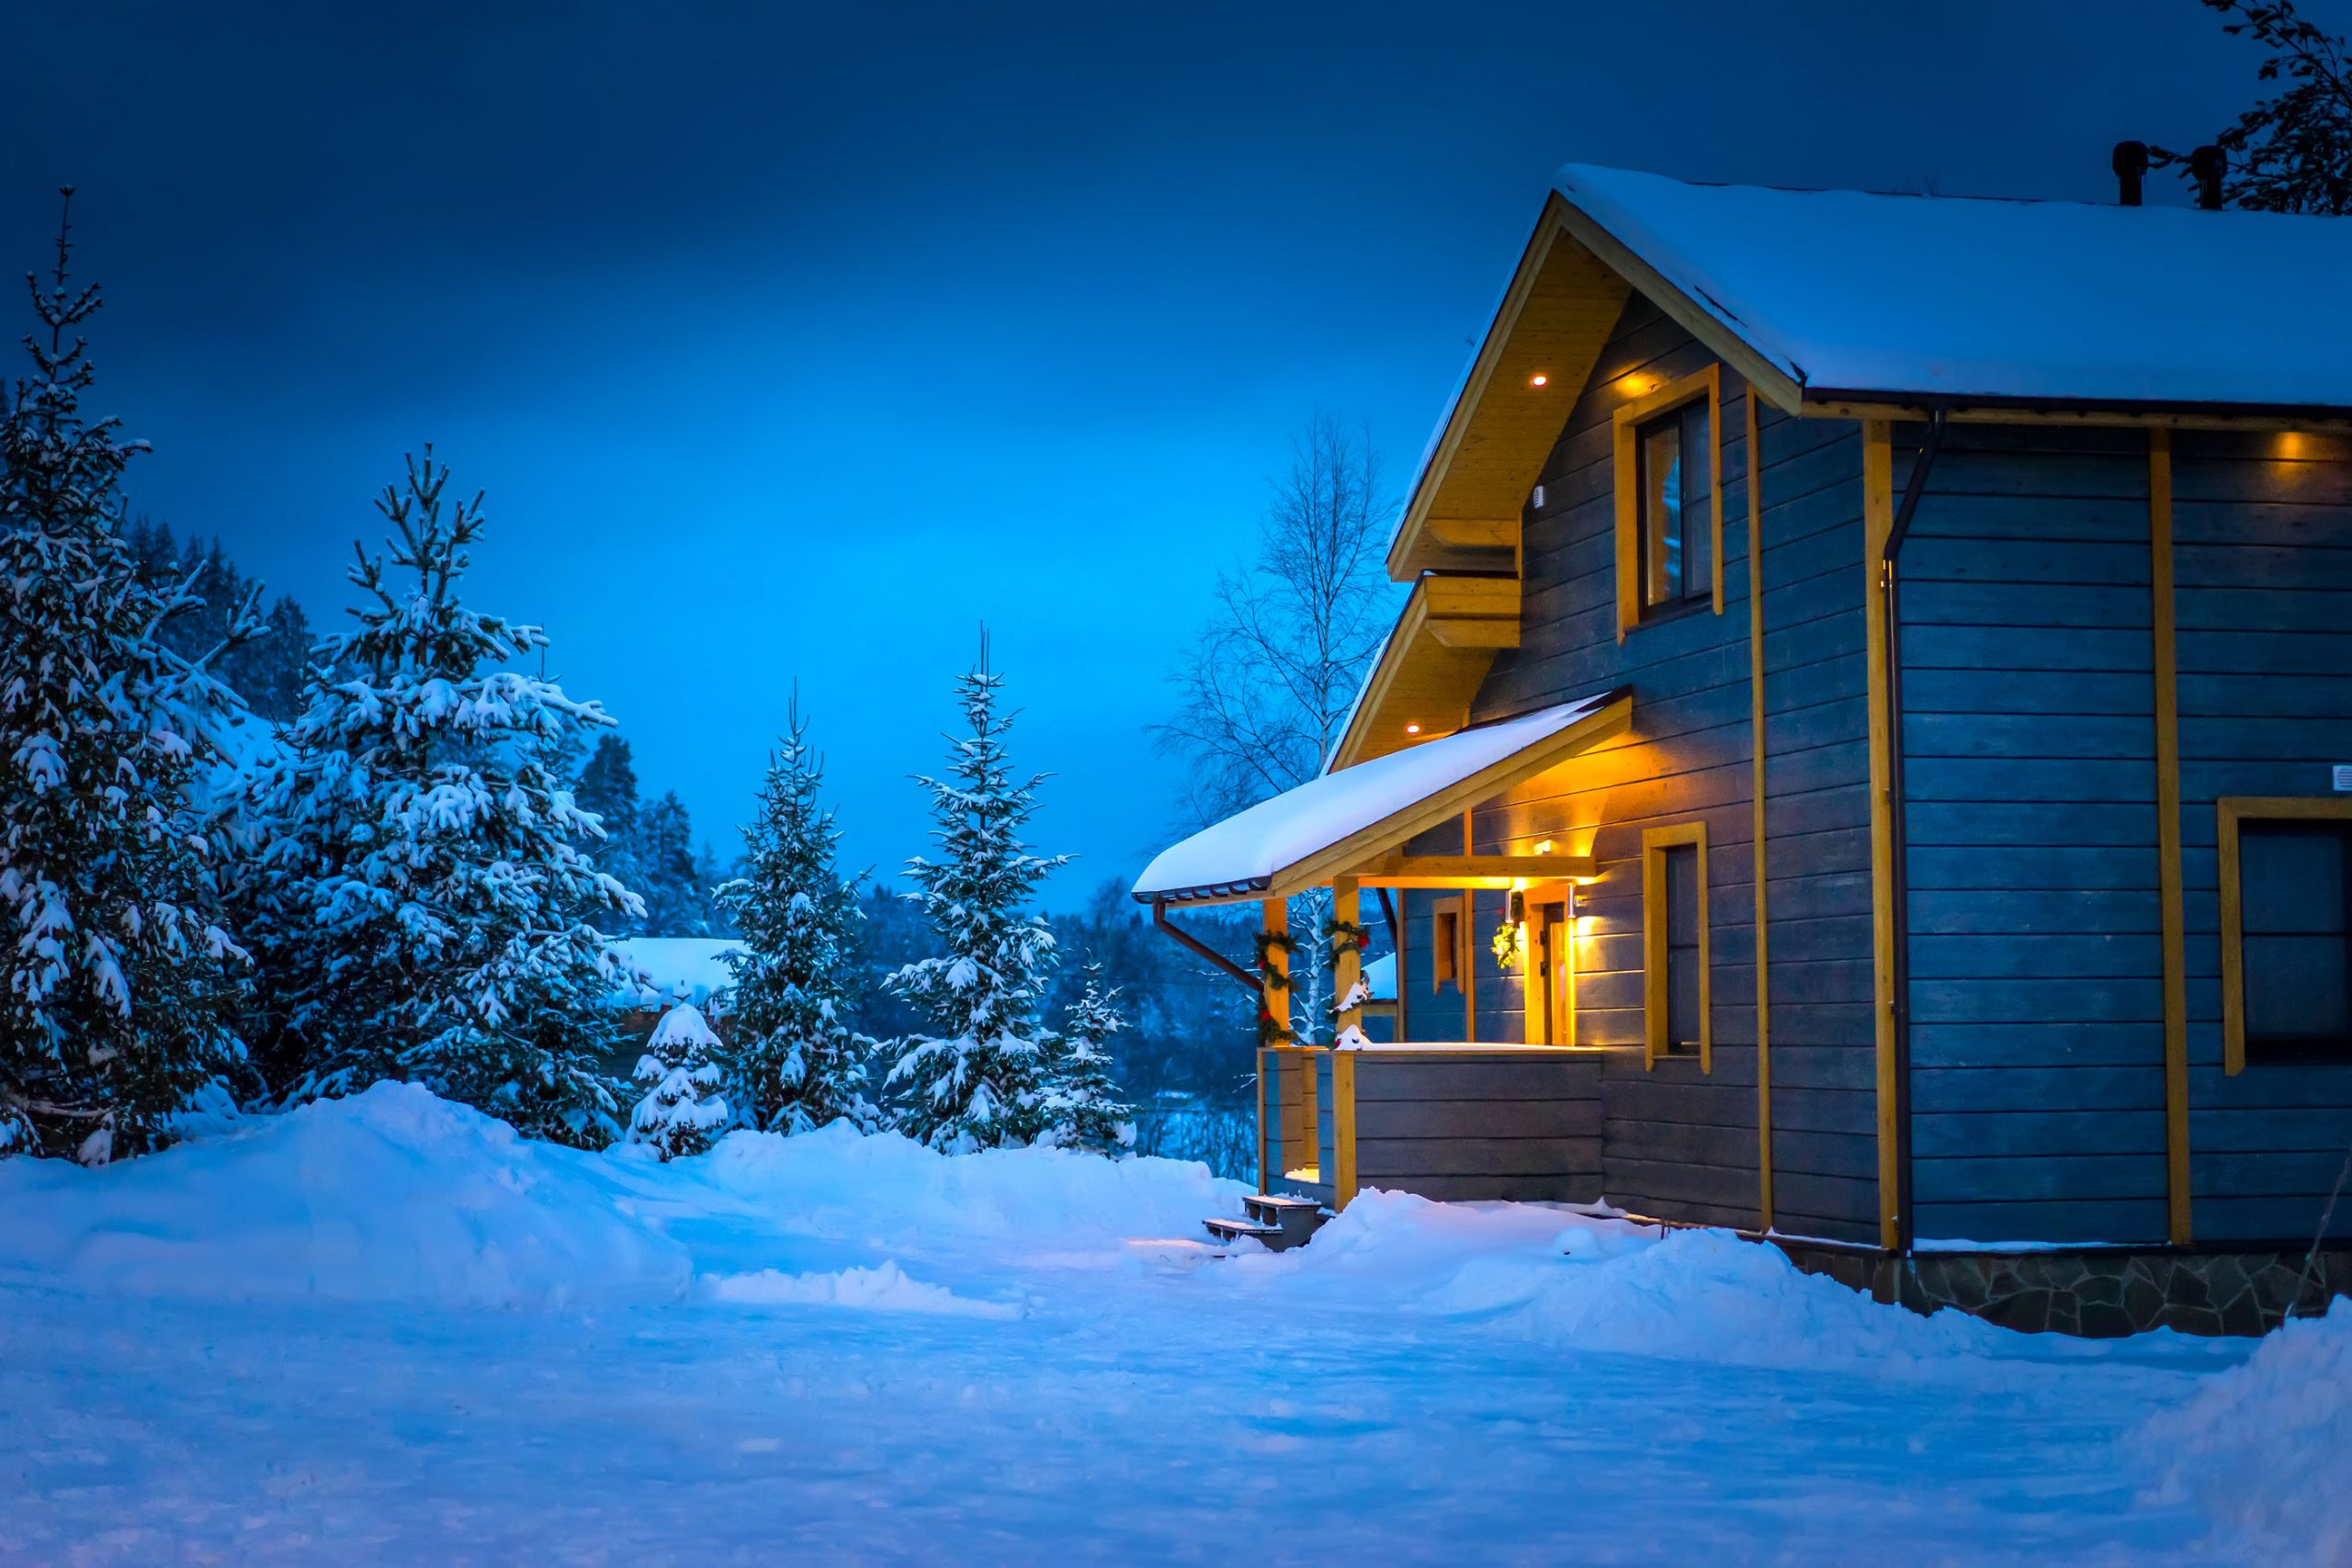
[
  {"x": 390, "y": 1195},
  {"x": 2265, "y": 1447}
]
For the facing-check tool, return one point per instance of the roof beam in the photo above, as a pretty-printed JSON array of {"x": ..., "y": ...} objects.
[{"x": 1456, "y": 871}]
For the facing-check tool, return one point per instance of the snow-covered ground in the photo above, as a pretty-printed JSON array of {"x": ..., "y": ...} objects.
[{"x": 387, "y": 1330}]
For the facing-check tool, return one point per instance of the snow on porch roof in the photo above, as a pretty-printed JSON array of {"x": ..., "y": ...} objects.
[
  {"x": 1374, "y": 806},
  {"x": 1960, "y": 298}
]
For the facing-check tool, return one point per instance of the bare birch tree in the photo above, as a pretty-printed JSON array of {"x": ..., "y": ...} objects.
[{"x": 1266, "y": 690}]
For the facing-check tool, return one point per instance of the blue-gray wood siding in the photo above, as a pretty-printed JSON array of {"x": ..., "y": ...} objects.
[
  {"x": 1680, "y": 1143},
  {"x": 1467, "y": 1125},
  {"x": 2262, "y": 563},
  {"x": 2029, "y": 743}
]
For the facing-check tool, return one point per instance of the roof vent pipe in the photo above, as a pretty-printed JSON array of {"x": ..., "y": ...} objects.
[
  {"x": 2130, "y": 167},
  {"x": 2206, "y": 164}
]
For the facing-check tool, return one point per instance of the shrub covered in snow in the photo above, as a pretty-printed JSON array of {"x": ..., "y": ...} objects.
[
  {"x": 685, "y": 1108},
  {"x": 978, "y": 1079},
  {"x": 422, "y": 907},
  {"x": 796, "y": 1063},
  {"x": 118, "y": 982}
]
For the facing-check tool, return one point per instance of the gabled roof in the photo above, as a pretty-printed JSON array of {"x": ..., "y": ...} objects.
[
  {"x": 1331, "y": 825},
  {"x": 1917, "y": 299}
]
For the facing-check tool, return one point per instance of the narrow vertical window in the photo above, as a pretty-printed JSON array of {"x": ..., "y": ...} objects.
[
  {"x": 1675, "y": 983},
  {"x": 1445, "y": 944},
  {"x": 1669, "y": 519}
]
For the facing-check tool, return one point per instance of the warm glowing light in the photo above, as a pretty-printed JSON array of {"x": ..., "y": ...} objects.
[
  {"x": 1544, "y": 848},
  {"x": 1412, "y": 729},
  {"x": 1636, "y": 383},
  {"x": 2291, "y": 445},
  {"x": 1539, "y": 380}
]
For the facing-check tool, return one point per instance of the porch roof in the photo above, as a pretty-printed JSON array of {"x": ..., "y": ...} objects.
[{"x": 1332, "y": 825}]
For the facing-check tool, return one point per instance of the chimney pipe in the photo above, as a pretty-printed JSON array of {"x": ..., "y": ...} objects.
[
  {"x": 2208, "y": 165},
  {"x": 2131, "y": 163}
]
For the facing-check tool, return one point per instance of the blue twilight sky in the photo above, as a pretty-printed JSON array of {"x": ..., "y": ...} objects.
[{"x": 792, "y": 342}]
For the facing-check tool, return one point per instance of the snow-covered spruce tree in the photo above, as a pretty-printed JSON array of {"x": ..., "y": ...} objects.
[
  {"x": 976, "y": 1080},
  {"x": 420, "y": 914},
  {"x": 120, "y": 983},
  {"x": 796, "y": 1063},
  {"x": 685, "y": 1108},
  {"x": 1084, "y": 1109}
]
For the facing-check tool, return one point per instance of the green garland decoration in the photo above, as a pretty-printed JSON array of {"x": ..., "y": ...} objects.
[
  {"x": 1507, "y": 946},
  {"x": 1270, "y": 944},
  {"x": 1345, "y": 936}
]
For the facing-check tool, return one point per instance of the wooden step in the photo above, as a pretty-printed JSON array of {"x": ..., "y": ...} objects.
[{"x": 1234, "y": 1230}]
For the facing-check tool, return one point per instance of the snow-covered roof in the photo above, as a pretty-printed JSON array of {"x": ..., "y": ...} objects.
[
  {"x": 682, "y": 968},
  {"x": 1249, "y": 851},
  {"x": 1960, "y": 298}
]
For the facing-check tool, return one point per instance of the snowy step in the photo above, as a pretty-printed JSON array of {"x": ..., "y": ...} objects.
[
  {"x": 1297, "y": 1217},
  {"x": 1234, "y": 1230}
]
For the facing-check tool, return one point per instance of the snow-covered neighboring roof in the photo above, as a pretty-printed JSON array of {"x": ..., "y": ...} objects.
[
  {"x": 682, "y": 968},
  {"x": 1248, "y": 848},
  {"x": 1380, "y": 978},
  {"x": 1960, "y": 297}
]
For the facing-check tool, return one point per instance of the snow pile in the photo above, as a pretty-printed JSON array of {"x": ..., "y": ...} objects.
[
  {"x": 1605, "y": 1285},
  {"x": 2265, "y": 1447},
  {"x": 895, "y": 1193},
  {"x": 884, "y": 1287},
  {"x": 390, "y": 1195}
]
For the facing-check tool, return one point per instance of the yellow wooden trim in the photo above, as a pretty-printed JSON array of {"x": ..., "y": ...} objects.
[
  {"x": 1346, "y": 960},
  {"x": 1453, "y": 906},
  {"x": 1411, "y": 820},
  {"x": 1343, "y": 1128},
  {"x": 1694, "y": 317},
  {"x": 1756, "y": 790},
  {"x": 2077, "y": 418},
  {"x": 1455, "y": 871},
  {"x": 1626, "y": 423},
  {"x": 2168, "y": 873},
  {"x": 1430, "y": 669},
  {"x": 1473, "y": 532},
  {"x": 1655, "y": 843},
  {"x": 1878, "y": 521},
  {"x": 2228, "y": 812},
  {"x": 1555, "y": 318}
]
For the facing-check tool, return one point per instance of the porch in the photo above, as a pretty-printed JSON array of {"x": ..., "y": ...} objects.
[{"x": 1401, "y": 1100}]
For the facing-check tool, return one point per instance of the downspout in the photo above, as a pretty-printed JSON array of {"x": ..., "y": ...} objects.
[
  {"x": 1241, "y": 977},
  {"x": 1898, "y": 830}
]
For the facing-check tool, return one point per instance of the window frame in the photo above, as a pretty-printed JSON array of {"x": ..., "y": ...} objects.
[
  {"x": 1656, "y": 842},
  {"x": 2229, "y": 812},
  {"x": 1453, "y": 906},
  {"x": 1628, "y": 422}
]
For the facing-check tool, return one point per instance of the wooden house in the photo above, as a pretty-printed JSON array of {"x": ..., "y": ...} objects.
[{"x": 1866, "y": 759}]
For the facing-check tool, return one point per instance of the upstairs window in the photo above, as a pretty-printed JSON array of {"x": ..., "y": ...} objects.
[
  {"x": 1669, "y": 522},
  {"x": 2286, "y": 930},
  {"x": 1676, "y": 563}
]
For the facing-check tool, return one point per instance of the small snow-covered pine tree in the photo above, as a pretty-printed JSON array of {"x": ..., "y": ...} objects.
[
  {"x": 796, "y": 1063},
  {"x": 978, "y": 1079},
  {"x": 1084, "y": 1108},
  {"x": 685, "y": 1109},
  {"x": 117, "y": 984},
  {"x": 420, "y": 914}
]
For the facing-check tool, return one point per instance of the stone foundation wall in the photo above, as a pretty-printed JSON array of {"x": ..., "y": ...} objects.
[{"x": 2098, "y": 1294}]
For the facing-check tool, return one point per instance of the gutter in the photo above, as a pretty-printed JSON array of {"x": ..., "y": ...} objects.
[{"x": 1898, "y": 832}]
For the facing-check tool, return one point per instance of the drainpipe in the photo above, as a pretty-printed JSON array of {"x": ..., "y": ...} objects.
[
  {"x": 1899, "y": 832},
  {"x": 1241, "y": 977}
]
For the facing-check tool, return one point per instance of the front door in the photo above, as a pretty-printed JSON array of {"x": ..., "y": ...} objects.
[{"x": 1552, "y": 1009}]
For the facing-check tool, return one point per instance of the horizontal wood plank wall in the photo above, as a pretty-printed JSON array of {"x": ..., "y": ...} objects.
[
  {"x": 1521, "y": 1125},
  {"x": 2262, "y": 565},
  {"x": 1679, "y": 1142},
  {"x": 2029, "y": 772}
]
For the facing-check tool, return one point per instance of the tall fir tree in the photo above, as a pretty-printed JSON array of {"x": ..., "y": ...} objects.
[
  {"x": 685, "y": 1109},
  {"x": 607, "y": 786},
  {"x": 119, "y": 987},
  {"x": 798, "y": 1063},
  {"x": 421, "y": 916},
  {"x": 676, "y": 903},
  {"x": 977, "y": 1079},
  {"x": 1084, "y": 1109}
]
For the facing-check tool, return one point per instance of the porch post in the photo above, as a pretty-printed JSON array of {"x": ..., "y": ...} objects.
[
  {"x": 1280, "y": 1119},
  {"x": 1347, "y": 951},
  {"x": 1347, "y": 974}
]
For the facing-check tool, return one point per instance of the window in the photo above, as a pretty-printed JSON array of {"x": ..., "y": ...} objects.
[
  {"x": 1675, "y": 989},
  {"x": 2285, "y": 870},
  {"x": 1670, "y": 515},
  {"x": 1445, "y": 943}
]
